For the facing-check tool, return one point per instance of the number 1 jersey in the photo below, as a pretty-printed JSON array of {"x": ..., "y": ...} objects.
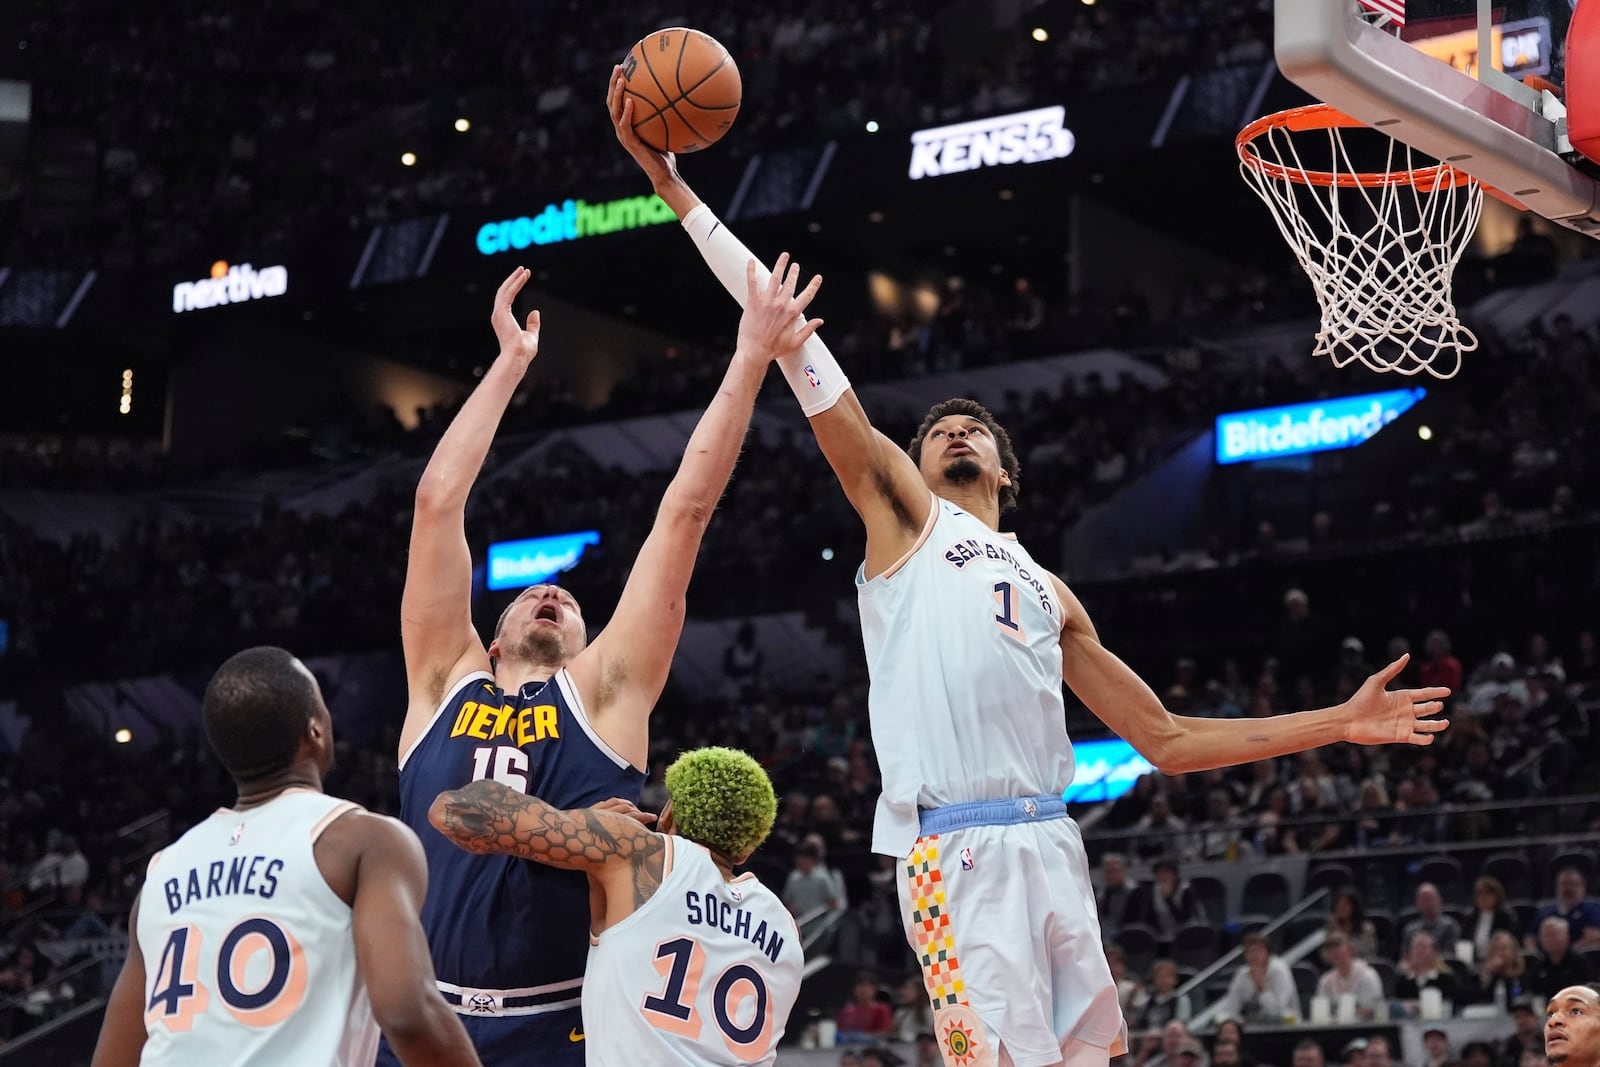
[
  {"x": 248, "y": 954},
  {"x": 963, "y": 649},
  {"x": 704, "y": 972}
]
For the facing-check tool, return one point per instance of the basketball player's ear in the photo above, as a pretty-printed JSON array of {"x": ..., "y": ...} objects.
[{"x": 1005, "y": 476}]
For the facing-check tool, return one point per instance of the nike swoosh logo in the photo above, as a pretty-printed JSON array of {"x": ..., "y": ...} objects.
[{"x": 574, "y": 1036}]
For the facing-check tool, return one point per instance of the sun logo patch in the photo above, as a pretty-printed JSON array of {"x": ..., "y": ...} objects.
[{"x": 963, "y": 1041}]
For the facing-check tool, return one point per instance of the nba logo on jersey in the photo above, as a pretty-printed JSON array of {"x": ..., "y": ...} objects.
[
  {"x": 238, "y": 832},
  {"x": 811, "y": 376},
  {"x": 966, "y": 859},
  {"x": 733, "y": 891}
]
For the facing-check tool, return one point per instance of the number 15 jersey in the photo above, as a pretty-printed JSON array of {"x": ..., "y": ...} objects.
[
  {"x": 248, "y": 954},
  {"x": 963, "y": 648},
  {"x": 704, "y": 972}
]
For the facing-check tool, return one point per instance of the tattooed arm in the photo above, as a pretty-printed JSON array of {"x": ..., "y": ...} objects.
[
  {"x": 625, "y": 858},
  {"x": 1180, "y": 743}
]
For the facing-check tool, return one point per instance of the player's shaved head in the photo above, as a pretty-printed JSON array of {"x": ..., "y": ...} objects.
[{"x": 256, "y": 710}]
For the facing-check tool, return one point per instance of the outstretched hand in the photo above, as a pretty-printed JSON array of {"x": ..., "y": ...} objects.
[
  {"x": 660, "y": 167},
  {"x": 774, "y": 324},
  {"x": 1381, "y": 717},
  {"x": 515, "y": 342}
]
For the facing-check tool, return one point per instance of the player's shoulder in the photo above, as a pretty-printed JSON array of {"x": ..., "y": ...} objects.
[{"x": 357, "y": 830}]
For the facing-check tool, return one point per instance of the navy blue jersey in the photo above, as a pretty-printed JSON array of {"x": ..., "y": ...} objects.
[{"x": 509, "y": 931}]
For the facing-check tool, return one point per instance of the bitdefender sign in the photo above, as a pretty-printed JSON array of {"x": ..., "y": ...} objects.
[
  {"x": 1322, "y": 426},
  {"x": 515, "y": 564},
  {"x": 1022, "y": 137},
  {"x": 229, "y": 285}
]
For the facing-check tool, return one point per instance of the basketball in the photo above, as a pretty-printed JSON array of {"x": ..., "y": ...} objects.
[{"x": 685, "y": 89}]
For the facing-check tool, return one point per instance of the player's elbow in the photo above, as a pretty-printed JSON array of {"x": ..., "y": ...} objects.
[
  {"x": 444, "y": 814},
  {"x": 411, "y": 1018},
  {"x": 1165, "y": 749},
  {"x": 684, "y": 506}
]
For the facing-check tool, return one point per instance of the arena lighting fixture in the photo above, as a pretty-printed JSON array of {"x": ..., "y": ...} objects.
[
  {"x": 1425, "y": 432},
  {"x": 123, "y": 736},
  {"x": 408, "y": 159},
  {"x": 827, "y": 554},
  {"x": 125, "y": 404},
  {"x": 1042, "y": 35},
  {"x": 872, "y": 125},
  {"x": 462, "y": 125}
]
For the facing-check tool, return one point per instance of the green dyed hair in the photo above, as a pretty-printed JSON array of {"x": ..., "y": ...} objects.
[{"x": 723, "y": 799}]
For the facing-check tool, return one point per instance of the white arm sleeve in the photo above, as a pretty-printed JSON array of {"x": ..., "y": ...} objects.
[{"x": 812, "y": 373}]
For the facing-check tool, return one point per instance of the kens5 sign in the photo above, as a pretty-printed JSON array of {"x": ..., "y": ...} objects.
[{"x": 1023, "y": 137}]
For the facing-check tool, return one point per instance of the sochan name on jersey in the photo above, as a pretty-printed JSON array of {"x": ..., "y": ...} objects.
[
  {"x": 230, "y": 285},
  {"x": 1023, "y": 137}
]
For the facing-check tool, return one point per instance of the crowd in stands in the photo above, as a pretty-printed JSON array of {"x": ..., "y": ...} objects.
[{"x": 254, "y": 126}]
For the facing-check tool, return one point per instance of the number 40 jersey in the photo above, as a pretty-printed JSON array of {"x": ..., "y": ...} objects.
[
  {"x": 248, "y": 954},
  {"x": 704, "y": 972}
]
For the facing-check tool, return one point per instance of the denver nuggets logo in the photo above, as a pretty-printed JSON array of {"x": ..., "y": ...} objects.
[{"x": 481, "y": 1003}]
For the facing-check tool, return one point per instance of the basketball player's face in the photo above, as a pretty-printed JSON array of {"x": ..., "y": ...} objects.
[
  {"x": 960, "y": 451},
  {"x": 1572, "y": 1027},
  {"x": 544, "y": 625}
]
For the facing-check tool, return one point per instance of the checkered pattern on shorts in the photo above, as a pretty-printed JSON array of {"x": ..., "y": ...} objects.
[{"x": 930, "y": 921}]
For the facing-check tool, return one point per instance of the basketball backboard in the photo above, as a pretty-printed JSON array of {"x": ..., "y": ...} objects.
[{"x": 1413, "y": 69}]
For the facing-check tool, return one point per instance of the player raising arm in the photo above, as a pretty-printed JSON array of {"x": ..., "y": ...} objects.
[
  {"x": 968, "y": 641},
  {"x": 542, "y": 709},
  {"x": 664, "y": 906}
]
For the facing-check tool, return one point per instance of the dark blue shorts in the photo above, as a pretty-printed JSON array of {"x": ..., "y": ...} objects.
[{"x": 519, "y": 1040}]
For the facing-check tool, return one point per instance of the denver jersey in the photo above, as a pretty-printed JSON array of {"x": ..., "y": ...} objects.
[
  {"x": 962, "y": 639},
  {"x": 705, "y": 972},
  {"x": 248, "y": 954},
  {"x": 508, "y": 935}
]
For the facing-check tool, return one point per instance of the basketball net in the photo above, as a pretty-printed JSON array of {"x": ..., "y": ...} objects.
[{"x": 1380, "y": 246}]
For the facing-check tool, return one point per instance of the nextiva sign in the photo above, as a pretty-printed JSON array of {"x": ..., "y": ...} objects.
[
  {"x": 230, "y": 285},
  {"x": 514, "y": 564},
  {"x": 1022, "y": 137},
  {"x": 1317, "y": 427},
  {"x": 570, "y": 220}
]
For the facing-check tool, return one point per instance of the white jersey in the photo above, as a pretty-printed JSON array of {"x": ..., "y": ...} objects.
[
  {"x": 962, "y": 638},
  {"x": 705, "y": 972},
  {"x": 248, "y": 953}
]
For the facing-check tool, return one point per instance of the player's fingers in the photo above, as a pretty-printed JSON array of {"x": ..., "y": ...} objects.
[
  {"x": 775, "y": 283},
  {"x": 1427, "y": 725},
  {"x": 1388, "y": 674},
  {"x": 533, "y": 321},
  {"x": 1433, "y": 692},
  {"x": 803, "y": 334},
  {"x": 750, "y": 279},
  {"x": 806, "y": 295},
  {"x": 791, "y": 281},
  {"x": 509, "y": 287},
  {"x": 1421, "y": 740}
]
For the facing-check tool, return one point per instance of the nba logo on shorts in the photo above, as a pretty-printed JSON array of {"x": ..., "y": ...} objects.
[
  {"x": 966, "y": 859},
  {"x": 811, "y": 376}
]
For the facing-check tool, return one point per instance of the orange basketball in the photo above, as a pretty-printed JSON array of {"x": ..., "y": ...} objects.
[{"x": 685, "y": 89}]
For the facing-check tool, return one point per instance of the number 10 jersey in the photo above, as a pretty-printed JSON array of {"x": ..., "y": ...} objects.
[{"x": 704, "y": 972}]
